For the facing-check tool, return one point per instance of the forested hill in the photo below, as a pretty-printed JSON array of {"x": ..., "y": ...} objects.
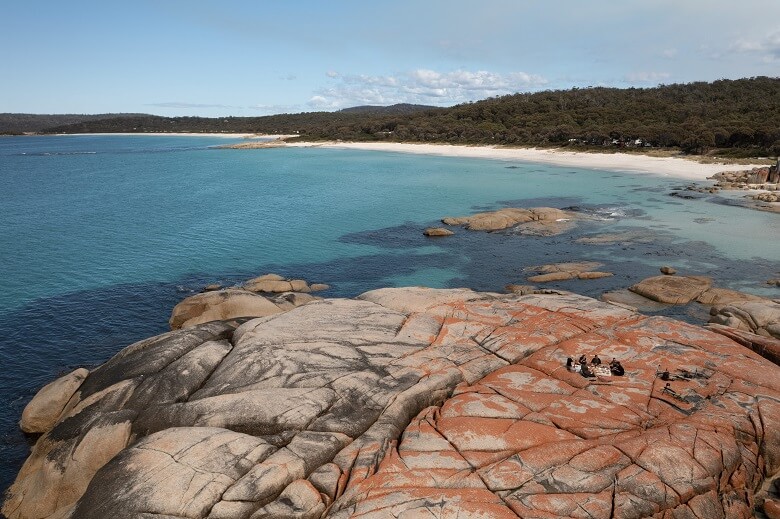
[
  {"x": 31, "y": 123},
  {"x": 740, "y": 115}
]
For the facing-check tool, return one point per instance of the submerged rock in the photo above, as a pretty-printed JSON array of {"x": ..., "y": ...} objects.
[
  {"x": 627, "y": 237},
  {"x": 564, "y": 271},
  {"x": 410, "y": 401},
  {"x": 437, "y": 231}
]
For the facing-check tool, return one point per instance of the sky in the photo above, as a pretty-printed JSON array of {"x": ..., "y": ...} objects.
[{"x": 262, "y": 57}]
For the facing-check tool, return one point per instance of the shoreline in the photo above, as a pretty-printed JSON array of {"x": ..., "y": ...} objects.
[
  {"x": 672, "y": 167},
  {"x": 178, "y": 134}
]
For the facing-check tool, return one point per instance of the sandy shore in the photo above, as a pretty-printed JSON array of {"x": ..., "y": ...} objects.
[{"x": 665, "y": 166}]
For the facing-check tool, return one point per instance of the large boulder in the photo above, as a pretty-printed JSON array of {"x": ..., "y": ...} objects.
[
  {"x": 675, "y": 290},
  {"x": 724, "y": 296},
  {"x": 231, "y": 303},
  {"x": 760, "y": 316},
  {"x": 219, "y": 305},
  {"x": 40, "y": 415},
  {"x": 274, "y": 283},
  {"x": 413, "y": 401}
]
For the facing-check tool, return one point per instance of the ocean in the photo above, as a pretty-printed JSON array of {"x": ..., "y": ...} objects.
[{"x": 101, "y": 235}]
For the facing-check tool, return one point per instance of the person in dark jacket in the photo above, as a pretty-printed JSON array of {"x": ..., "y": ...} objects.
[{"x": 585, "y": 372}]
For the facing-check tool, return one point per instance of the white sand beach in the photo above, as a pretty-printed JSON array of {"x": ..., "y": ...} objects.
[{"x": 674, "y": 167}]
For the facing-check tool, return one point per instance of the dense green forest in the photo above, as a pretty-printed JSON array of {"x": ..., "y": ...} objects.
[
  {"x": 738, "y": 117},
  {"x": 17, "y": 124}
]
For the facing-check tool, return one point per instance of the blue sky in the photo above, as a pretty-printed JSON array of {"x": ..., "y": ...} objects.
[{"x": 249, "y": 58}]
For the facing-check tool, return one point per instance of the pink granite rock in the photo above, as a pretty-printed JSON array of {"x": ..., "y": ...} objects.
[{"x": 414, "y": 402}]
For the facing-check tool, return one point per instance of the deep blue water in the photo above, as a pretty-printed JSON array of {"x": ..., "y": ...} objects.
[{"x": 102, "y": 235}]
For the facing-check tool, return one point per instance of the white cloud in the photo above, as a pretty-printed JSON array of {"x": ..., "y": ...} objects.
[
  {"x": 179, "y": 104},
  {"x": 274, "y": 109},
  {"x": 422, "y": 86},
  {"x": 647, "y": 77},
  {"x": 768, "y": 46},
  {"x": 332, "y": 74},
  {"x": 669, "y": 53}
]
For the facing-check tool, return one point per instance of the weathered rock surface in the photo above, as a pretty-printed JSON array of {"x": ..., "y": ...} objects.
[
  {"x": 761, "y": 316},
  {"x": 669, "y": 271},
  {"x": 520, "y": 290},
  {"x": 537, "y": 221},
  {"x": 625, "y": 297},
  {"x": 723, "y": 296},
  {"x": 675, "y": 290},
  {"x": 46, "y": 407},
  {"x": 413, "y": 402},
  {"x": 231, "y": 303},
  {"x": 763, "y": 177},
  {"x": 437, "y": 231},
  {"x": 767, "y": 347}
]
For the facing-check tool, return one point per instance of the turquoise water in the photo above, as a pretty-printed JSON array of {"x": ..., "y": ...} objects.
[{"x": 102, "y": 235}]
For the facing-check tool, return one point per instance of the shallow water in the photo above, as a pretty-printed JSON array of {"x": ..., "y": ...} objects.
[{"x": 102, "y": 235}]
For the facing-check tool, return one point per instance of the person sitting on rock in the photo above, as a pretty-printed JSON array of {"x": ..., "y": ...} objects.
[
  {"x": 665, "y": 375},
  {"x": 569, "y": 363},
  {"x": 585, "y": 372},
  {"x": 616, "y": 368},
  {"x": 583, "y": 359},
  {"x": 596, "y": 361}
]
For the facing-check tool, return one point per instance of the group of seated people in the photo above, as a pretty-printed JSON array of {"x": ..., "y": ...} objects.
[{"x": 614, "y": 366}]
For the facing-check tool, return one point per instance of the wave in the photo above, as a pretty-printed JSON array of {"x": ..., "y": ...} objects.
[
  {"x": 56, "y": 153},
  {"x": 607, "y": 212}
]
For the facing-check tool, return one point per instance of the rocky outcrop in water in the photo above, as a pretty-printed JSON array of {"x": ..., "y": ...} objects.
[
  {"x": 675, "y": 290},
  {"x": 537, "y": 221},
  {"x": 413, "y": 401},
  {"x": 274, "y": 283},
  {"x": 437, "y": 231},
  {"x": 767, "y": 177},
  {"x": 565, "y": 271}
]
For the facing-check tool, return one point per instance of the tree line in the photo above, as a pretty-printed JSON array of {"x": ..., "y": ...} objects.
[{"x": 736, "y": 117}]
